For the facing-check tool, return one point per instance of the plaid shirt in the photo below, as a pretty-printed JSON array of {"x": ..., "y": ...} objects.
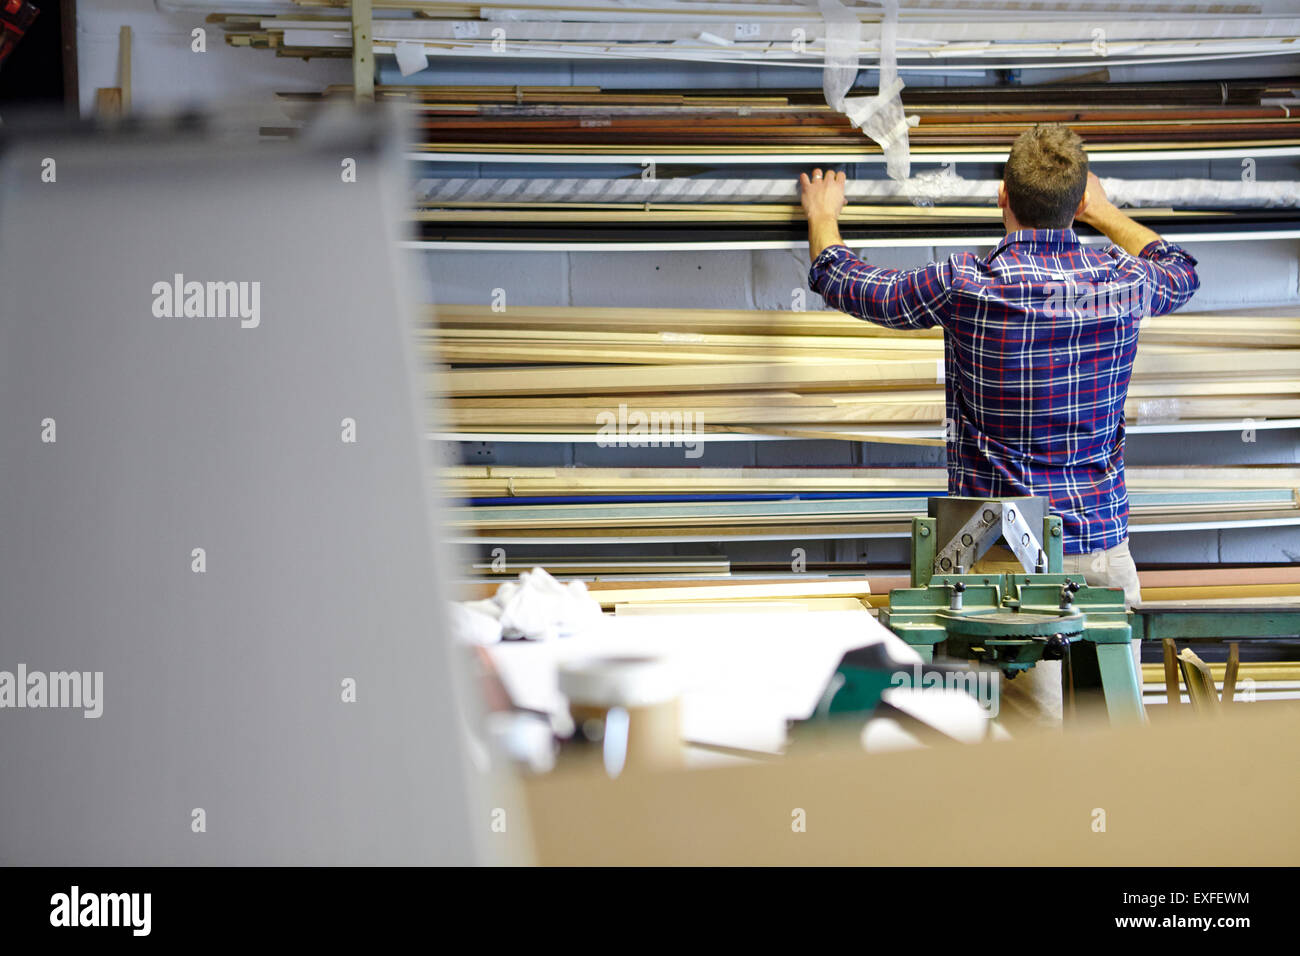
[{"x": 1039, "y": 340}]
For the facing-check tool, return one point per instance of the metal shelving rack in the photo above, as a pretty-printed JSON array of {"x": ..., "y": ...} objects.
[{"x": 363, "y": 60}]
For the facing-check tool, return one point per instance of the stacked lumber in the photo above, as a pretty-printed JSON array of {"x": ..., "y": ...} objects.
[
  {"x": 821, "y": 374},
  {"x": 1171, "y": 589},
  {"x": 1157, "y": 116},
  {"x": 797, "y": 517},
  {"x": 495, "y": 481},
  {"x": 842, "y": 595},
  {"x": 1203, "y": 587},
  {"x": 1193, "y": 585},
  {"x": 552, "y": 123},
  {"x": 789, "y": 215},
  {"x": 597, "y": 371}
]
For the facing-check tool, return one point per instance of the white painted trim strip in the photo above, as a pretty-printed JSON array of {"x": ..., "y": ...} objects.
[
  {"x": 919, "y": 157},
  {"x": 457, "y": 245},
  {"x": 1155, "y": 428},
  {"x": 1216, "y": 525}
]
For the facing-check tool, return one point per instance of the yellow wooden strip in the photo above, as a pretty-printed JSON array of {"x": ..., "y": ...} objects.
[{"x": 857, "y": 588}]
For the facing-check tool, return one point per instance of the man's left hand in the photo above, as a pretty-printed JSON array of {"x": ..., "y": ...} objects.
[{"x": 822, "y": 196}]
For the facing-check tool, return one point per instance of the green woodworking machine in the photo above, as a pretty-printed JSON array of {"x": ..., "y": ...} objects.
[
  {"x": 1009, "y": 621},
  {"x": 1013, "y": 620}
]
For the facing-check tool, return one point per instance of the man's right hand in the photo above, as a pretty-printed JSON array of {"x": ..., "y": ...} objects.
[
  {"x": 1096, "y": 205},
  {"x": 1108, "y": 219}
]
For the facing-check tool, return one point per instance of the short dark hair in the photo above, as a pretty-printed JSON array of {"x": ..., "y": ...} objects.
[{"x": 1046, "y": 175}]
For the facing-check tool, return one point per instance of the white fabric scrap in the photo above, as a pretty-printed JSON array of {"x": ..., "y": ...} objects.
[
  {"x": 534, "y": 607},
  {"x": 476, "y": 622},
  {"x": 881, "y": 116}
]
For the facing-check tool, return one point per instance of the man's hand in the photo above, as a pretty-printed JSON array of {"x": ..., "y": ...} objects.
[
  {"x": 822, "y": 196},
  {"x": 1095, "y": 204},
  {"x": 823, "y": 200}
]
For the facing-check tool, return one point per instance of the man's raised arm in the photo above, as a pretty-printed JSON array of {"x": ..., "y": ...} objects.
[
  {"x": 1170, "y": 270},
  {"x": 896, "y": 298}
]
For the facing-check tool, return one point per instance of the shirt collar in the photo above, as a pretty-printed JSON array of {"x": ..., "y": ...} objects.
[{"x": 1037, "y": 240}]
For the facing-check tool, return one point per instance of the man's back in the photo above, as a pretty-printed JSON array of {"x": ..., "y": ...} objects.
[
  {"x": 1040, "y": 342},
  {"x": 1040, "y": 337}
]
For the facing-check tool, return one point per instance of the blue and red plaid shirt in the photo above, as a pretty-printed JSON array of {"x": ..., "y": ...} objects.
[{"x": 1039, "y": 341}]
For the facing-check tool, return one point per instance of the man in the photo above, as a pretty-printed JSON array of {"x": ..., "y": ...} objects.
[{"x": 1039, "y": 341}]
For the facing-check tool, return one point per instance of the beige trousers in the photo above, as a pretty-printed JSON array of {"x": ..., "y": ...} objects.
[{"x": 1033, "y": 699}]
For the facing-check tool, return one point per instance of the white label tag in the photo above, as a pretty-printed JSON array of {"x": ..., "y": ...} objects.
[
  {"x": 461, "y": 29},
  {"x": 410, "y": 57},
  {"x": 747, "y": 31}
]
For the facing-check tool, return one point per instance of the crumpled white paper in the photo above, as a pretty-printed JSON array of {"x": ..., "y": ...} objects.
[
  {"x": 476, "y": 622},
  {"x": 535, "y": 607}
]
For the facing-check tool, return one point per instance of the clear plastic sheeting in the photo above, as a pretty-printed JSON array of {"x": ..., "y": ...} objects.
[
  {"x": 1202, "y": 192},
  {"x": 925, "y": 189},
  {"x": 881, "y": 116}
]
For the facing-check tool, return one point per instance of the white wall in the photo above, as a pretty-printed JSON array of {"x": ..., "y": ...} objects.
[{"x": 166, "y": 75}]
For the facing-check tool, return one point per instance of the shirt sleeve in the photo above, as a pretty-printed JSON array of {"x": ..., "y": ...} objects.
[
  {"x": 896, "y": 298},
  {"x": 1170, "y": 274}
]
